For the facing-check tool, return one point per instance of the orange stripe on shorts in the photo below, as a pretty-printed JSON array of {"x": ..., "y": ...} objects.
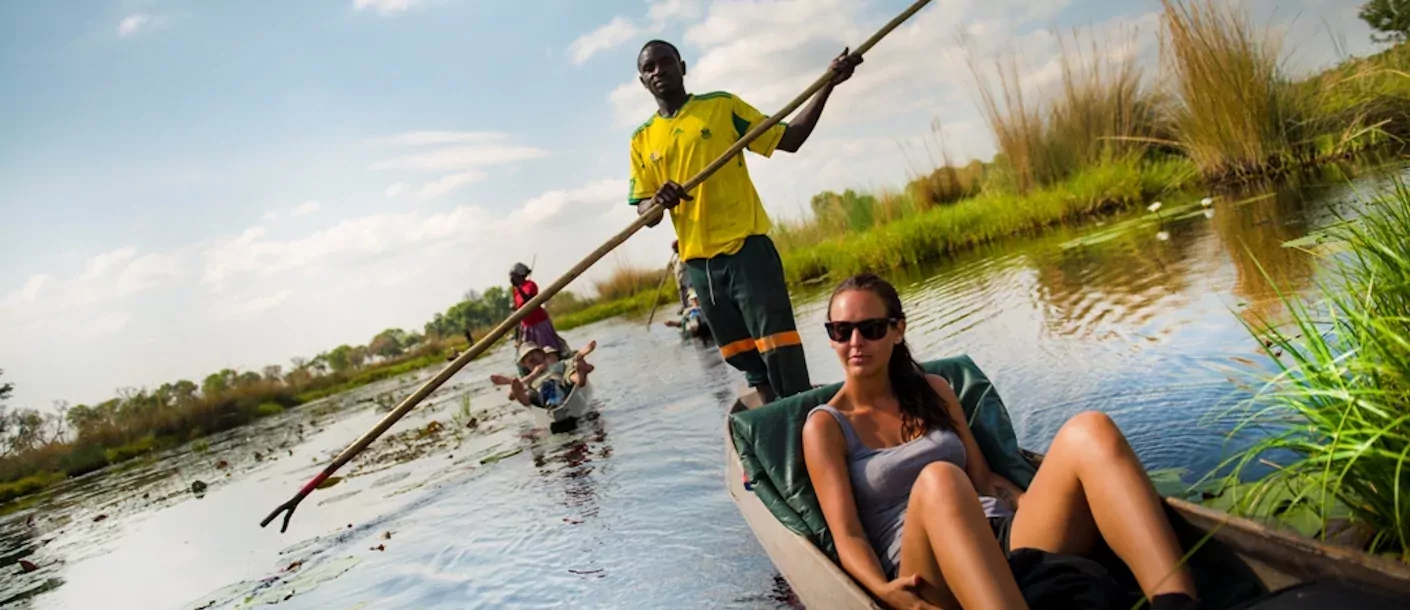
[
  {"x": 730, "y": 350},
  {"x": 777, "y": 340}
]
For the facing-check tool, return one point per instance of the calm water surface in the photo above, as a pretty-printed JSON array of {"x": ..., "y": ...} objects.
[{"x": 630, "y": 511}]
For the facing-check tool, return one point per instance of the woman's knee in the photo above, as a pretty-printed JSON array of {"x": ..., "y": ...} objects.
[
  {"x": 1093, "y": 432},
  {"x": 941, "y": 482}
]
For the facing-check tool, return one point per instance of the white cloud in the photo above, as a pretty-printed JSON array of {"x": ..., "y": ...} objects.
[
  {"x": 107, "y": 324},
  {"x": 105, "y": 277},
  {"x": 631, "y": 104},
  {"x": 384, "y": 7},
  {"x": 446, "y": 184},
  {"x": 307, "y": 207},
  {"x": 674, "y": 9},
  {"x": 361, "y": 242},
  {"x": 461, "y": 157},
  {"x": 423, "y": 138},
  {"x": 368, "y": 237},
  {"x": 134, "y": 24},
  {"x": 622, "y": 29},
  {"x": 31, "y": 291},
  {"x": 615, "y": 32},
  {"x": 270, "y": 215},
  {"x": 147, "y": 271},
  {"x": 235, "y": 309},
  {"x": 546, "y": 207}
]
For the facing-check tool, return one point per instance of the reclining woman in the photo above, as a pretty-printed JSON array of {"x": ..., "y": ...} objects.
[{"x": 917, "y": 516}]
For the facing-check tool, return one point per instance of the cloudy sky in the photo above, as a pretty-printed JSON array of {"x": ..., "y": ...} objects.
[{"x": 192, "y": 186}]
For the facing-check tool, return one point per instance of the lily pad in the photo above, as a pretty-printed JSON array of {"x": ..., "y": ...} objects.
[
  {"x": 1280, "y": 505},
  {"x": 1321, "y": 238}
]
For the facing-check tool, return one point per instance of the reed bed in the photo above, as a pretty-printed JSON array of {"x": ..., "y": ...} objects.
[{"x": 1336, "y": 406}]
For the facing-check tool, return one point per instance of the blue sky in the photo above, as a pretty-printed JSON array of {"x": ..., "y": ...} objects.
[{"x": 190, "y": 186}]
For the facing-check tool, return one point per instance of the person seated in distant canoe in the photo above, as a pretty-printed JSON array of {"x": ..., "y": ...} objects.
[
  {"x": 549, "y": 381},
  {"x": 682, "y": 277},
  {"x": 692, "y": 317},
  {"x": 917, "y": 516}
]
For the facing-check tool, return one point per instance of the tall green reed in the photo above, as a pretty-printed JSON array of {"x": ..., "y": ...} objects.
[{"x": 1337, "y": 407}]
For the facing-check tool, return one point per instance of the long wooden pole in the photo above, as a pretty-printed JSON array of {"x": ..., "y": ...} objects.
[
  {"x": 545, "y": 294},
  {"x": 656, "y": 297}
]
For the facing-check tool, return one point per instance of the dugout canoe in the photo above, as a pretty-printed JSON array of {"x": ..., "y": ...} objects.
[{"x": 1274, "y": 559}]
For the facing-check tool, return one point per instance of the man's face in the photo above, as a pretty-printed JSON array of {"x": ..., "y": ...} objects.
[
  {"x": 533, "y": 359},
  {"x": 660, "y": 71}
]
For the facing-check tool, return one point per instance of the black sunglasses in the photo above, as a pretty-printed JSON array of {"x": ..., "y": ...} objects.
[{"x": 871, "y": 330}]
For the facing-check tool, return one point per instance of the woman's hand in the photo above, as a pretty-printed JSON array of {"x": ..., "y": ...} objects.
[{"x": 902, "y": 594}]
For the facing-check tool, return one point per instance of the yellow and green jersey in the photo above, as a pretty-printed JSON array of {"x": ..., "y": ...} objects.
[{"x": 726, "y": 208}]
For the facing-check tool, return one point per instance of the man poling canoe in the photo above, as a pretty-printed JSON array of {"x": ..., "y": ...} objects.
[
  {"x": 721, "y": 227},
  {"x": 536, "y": 327},
  {"x": 652, "y": 213}
]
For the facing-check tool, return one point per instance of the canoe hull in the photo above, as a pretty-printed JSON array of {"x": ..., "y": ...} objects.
[
  {"x": 815, "y": 579},
  {"x": 574, "y": 407},
  {"x": 1275, "y": 559}
]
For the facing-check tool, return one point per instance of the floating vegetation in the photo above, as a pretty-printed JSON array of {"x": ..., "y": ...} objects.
[
  {"x": 277, "y": 588},
  {"x": 502, "y": 455}
]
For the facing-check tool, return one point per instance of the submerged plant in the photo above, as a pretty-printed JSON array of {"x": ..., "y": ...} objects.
[{"x": 1338, "y": 406}]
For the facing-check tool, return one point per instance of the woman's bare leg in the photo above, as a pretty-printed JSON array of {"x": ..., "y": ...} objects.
[
  {"x": 947, "y": 541},
  {"x": 1091, "y": 484}
]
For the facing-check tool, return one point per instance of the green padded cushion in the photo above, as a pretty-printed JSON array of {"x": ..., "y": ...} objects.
[{"x": 770, "y": 445}]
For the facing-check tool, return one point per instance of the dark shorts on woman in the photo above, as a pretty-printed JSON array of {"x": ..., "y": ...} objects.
[{"x": 1001, "y": 527}]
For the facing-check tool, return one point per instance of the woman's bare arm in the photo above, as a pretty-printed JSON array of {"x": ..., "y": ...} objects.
[
  {"x": 986, "y": 481},
  {"x": 825, "y": 453}
]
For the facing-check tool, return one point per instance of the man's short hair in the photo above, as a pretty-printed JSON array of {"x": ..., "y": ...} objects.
[{"x": 674, "y": 50}]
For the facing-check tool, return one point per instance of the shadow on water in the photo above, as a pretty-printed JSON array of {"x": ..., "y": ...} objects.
[{"x": 466, "y": 502}]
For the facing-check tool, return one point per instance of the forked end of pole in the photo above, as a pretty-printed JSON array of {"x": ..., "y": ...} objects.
[{"x": 288, "y": 507}]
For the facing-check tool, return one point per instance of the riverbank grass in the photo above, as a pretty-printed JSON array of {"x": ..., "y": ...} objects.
[{"x": 1337, "y": 407}]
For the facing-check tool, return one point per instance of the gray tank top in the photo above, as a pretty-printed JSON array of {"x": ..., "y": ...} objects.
[{"x": 882, "y": 480}]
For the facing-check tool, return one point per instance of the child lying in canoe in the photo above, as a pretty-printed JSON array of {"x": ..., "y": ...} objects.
[
  {"x": 918, "y": 517},
  {"x": 549, "y": 381}
]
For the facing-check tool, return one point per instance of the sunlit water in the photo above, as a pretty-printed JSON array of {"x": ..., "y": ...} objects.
[{"x": 630, "y": 510}]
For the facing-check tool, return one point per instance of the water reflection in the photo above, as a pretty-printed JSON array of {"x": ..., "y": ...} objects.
[{"x": 1252, "y": 236}]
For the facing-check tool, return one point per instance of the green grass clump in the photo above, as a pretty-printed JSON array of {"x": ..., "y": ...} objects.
[
  {"x": 1100, "y": 114},
  {"x": 1339, "y": 403},
  {"x": 1235, "y": 108},
  {"x": 28, "y": 485},
  {"x": 131, "y": 450},
  {"x": 626, "y": 280},
  {"x": 269, "y": 408},
  {"x": 1237, "y": 116},
  {"x": 603, "y": 310},
  {"x": 992, "y": 215}
]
